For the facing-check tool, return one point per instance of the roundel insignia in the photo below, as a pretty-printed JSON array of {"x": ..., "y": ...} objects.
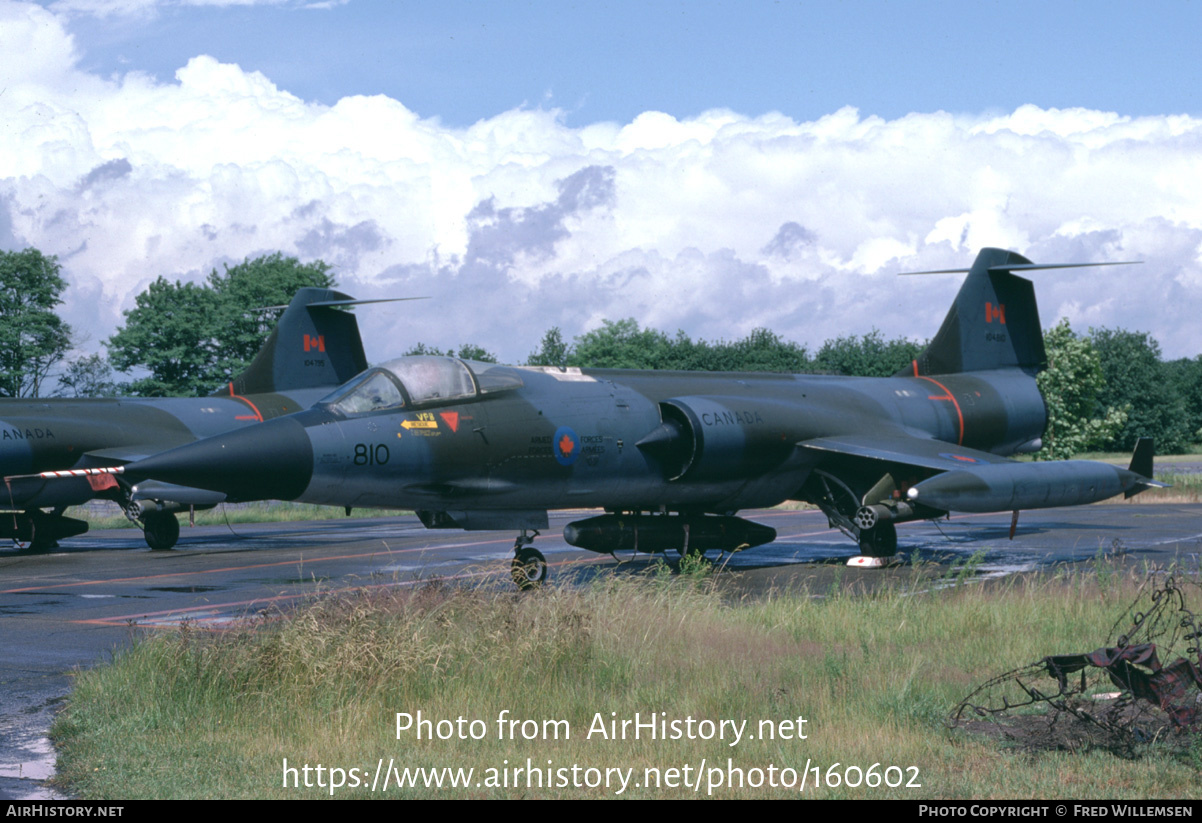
[
  {"x": 959, "y": 458},
  {"x": 566, "y": 445}
]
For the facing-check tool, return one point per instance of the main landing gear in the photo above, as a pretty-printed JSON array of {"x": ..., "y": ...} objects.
[
  {"x": 161, "y": 530},
  {"x": 878, "y": 546},
  {"x": 847, "y": 511},
  {"x": 37, "y": 530},
  {"x": 529, "y": 568}
]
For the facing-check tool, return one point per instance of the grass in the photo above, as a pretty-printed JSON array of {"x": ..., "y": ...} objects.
[
  {"x": 1192, "y": 456},
  {"x": 1183, "y": 488},
  {"x": 194, "y": 714}
]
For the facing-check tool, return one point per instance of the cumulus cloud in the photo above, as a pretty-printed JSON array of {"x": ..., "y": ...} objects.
[{"x": 714, "y": 224}]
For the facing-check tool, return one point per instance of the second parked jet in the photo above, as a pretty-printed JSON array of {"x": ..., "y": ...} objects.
[{"x": 315, "y": 347}]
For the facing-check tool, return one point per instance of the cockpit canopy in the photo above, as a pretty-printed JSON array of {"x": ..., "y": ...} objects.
[{"x": 419, "y": 381}]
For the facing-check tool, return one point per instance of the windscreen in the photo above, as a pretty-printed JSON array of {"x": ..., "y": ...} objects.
[{"x": 373, "y": 391}]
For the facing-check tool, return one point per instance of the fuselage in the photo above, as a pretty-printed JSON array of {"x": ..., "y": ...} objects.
[
  {"x": 621, "y": 440},
  {"x": 54, "y": 434}
]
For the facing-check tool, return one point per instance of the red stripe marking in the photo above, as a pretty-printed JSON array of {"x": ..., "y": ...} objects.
[
  {"x": 258, "y": 414},
  {"x": 948, "y": 396}
]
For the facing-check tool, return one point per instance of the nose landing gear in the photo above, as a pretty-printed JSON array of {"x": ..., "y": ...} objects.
[{"x": 529, "y": 568}]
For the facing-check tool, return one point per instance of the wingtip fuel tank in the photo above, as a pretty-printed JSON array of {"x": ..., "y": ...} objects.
[{"x": 1011, "y": 486}]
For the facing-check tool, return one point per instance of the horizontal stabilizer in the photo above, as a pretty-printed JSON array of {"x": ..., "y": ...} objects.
[
  {"x": 1025, "y": 267},
  {"x": 347, "y": 302}
]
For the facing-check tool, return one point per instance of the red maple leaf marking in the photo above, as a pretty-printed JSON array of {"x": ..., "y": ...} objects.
[{"x": 566, "y": 445}]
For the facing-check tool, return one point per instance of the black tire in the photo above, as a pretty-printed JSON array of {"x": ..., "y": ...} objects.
[
  {"x": 879, "y": 541},
  {"x": 42, "y": 544},
  {"x": 161, "y": 530},
  {"x": 529, "y": 569}
]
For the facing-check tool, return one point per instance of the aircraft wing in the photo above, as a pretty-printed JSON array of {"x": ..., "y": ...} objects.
[
  {"x": 118, "y": 456},
  {"x": 904, "y": 449}
]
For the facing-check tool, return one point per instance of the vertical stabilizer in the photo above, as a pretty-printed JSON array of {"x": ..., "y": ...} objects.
[
  {"x": 1142, "y": 457},
  {"x": 993, "y": 324},
  {"x": 314, "y": 345}
]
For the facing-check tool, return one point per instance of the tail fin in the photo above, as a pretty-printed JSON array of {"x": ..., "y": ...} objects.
[
  {"x": 1141, "y": 466},
  {"x": 994, "y": 323},
  {"x": 1141, "y": 458},
  {"x": 314, "y": 344}
]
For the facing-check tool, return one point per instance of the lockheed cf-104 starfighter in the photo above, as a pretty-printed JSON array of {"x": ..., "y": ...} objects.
[
  {"x": 315, "y": 347},
  {"x": 671, "y": 457}
]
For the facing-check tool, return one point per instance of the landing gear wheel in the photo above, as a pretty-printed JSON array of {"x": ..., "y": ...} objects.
[
  {"x": 161, "y": 530},
  {"x": 41, "y": 544},
  {"x": 879, "y": 541},
  {"x": 529, "y": 569}
]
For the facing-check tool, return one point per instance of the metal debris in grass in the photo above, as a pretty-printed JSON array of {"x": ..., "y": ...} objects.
[{"x": 1069, "y": 702}]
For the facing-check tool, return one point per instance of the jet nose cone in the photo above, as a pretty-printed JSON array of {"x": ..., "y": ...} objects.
[{"x": 267, "y": 461}]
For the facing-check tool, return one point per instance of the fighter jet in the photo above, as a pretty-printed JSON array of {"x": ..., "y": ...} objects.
[
  {"x": 314, "y": 348},
  {"x": 672, "y": 456}
]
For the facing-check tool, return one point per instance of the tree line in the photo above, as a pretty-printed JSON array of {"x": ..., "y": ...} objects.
[{"x": 1103, "y": 388}]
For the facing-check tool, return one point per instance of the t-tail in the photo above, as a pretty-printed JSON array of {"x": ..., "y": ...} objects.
[
  {"x": 994, "y": 322},
  {"x": 315, "y": 344}
]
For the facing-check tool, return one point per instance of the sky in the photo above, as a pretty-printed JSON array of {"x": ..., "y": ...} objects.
[{"x": 711, "y": 167}]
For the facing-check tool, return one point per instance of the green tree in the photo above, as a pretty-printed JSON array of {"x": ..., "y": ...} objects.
[
  {"x": 622, "y": 345},
  {"x": 868, "y": 355},
  {"x": 552, "y": 351},
  {"x": 87, "y": 376},
  {"x": 420, "y": 349},
  {"x": 170, "y": 333},
  {"x": 1136, "y": 378},
  {"x": 32, "y": 337},
  {"x": 1186, "y": 376},
  {"x": 242, "y": 289},
  {"x": 1071, "y": 386},
  {"x": 468, "y": 351},
  {"x": 192, "y": 338},
  {"x": 764, "y": 350}
]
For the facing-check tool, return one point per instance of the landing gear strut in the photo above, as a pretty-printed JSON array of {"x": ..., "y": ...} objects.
[
  {"x": 529, "y": 568},
  {"x": 879, "y": 541},
  {"x": 845, "y": 511}
]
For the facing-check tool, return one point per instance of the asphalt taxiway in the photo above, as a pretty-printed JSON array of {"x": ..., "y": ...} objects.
[{"x": 74, "y": 606}]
